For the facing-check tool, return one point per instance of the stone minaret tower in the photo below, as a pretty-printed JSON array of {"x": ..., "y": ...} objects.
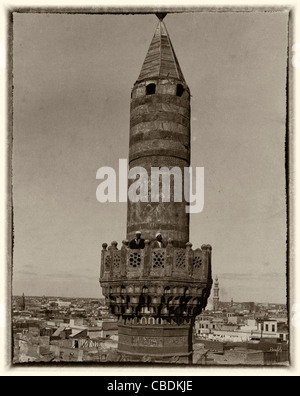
[
  {"x": 216, "y": 294},
  {"x": 156, "y": 293}
]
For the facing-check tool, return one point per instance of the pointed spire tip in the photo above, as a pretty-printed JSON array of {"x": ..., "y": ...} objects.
[{"x": 161, "y": 15}]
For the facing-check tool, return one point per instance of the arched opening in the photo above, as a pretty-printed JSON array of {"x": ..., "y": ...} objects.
[
  {"x": 150, "y": 89},
  {"x": 142, "y": 302},
  {"x": 179, "y": 90},
  {"x": 167, "y": 291},
  {"x": 145, "y": 290}
]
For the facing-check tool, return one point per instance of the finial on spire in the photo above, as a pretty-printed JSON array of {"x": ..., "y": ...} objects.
[{"x": 161, "y": 15}]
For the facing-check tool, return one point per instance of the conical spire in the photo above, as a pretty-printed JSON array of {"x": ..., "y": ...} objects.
[{"x": 161, "y": 60}]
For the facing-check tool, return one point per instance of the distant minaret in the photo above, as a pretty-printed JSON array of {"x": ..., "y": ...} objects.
[
  {"x": 232, "y": 303},
  {"x": 23, "y": 303},
  {"x": 216, "y": 294}
]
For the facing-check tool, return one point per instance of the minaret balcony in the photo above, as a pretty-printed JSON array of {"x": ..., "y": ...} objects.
[
  {"x": 166, "y": 282},
  {"x": 147, "y": 264}
]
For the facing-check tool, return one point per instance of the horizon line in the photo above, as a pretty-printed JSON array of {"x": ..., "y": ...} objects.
[{"x": 103, "y": 298}]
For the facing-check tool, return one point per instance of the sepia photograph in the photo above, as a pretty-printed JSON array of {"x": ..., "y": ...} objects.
[{"x": 149, "y": 178}]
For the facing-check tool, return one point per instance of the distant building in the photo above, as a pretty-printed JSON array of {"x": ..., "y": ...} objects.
[
  {"x": 273, "y": 329},
  {"x": 109, "y": 329}
]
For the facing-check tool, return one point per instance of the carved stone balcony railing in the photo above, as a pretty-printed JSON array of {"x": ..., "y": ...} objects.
[{"x": 170, "y": 262}]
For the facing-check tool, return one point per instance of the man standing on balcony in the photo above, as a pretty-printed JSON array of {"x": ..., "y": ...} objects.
[
  {"x": 138, "y": 242},
  {"x": 159, "y": 242}
]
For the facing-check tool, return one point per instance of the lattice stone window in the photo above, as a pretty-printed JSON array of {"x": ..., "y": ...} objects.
[
  {"x": 158, "y": 259},
  {"x": 180, "y": 259},
  {"x": 197, "y": 262},
  {"x": 117, "y": 261},
  {"x": 135, "y": 259},
  {"x": 107, "y": 263}
]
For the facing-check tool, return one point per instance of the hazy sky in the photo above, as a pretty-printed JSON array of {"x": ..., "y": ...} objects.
[{"x": 73, "y": 76}]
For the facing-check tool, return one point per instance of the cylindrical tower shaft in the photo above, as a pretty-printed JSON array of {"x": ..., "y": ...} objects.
[{"x": 160, "y": 137}]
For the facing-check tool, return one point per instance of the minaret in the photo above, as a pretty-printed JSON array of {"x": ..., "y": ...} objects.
[
  {"x": 216, "y": 294},
  {"x": 23, "y": 303},
  {"x": 156, "y": 293},
  {"x": 160, "y": 137}
]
